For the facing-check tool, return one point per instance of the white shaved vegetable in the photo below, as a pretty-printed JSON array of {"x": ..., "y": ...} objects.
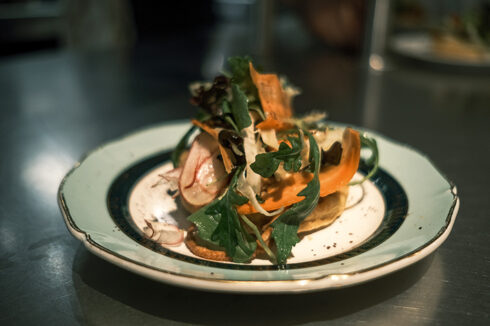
[
  {"x": 250, "y": 183},
  {"x": 251, "y": 148},
  {"x": 195, "y": 86},
  {"x": 326, "y": 138},
  {"x": 269, "y": 138},
  {"x": 289, "y": 90},
  {"x": 246, "y": 190}
]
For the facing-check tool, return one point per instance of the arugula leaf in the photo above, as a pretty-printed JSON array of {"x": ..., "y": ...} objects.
[
  {"x": 218, "y": 223},
  {"x": 267, "y": 163},
  {"x": 230, "y": 234},
  {"x": 175, "y": 157},
  {"x": 239, "y": 107},
  {"x": 256, "y": 231},
  {"x": 240, "y": 74},
  {"x": 285, "y": 227},
  {"x": 372, "y": 161},
  {"x": 239, "y": 69},
  {"x": 206, "y": 224},
  {"x": 227, "y": 115}
]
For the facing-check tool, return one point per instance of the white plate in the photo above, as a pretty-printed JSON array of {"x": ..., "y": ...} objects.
[
  {"x": 419, "y": 46},
  {"x": 396, "y": 219}
]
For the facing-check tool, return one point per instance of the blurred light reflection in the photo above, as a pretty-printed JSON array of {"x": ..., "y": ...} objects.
[
  {"x": 429, "y": 287},
  {"x": 44, "y": 172},
  {"x": 56, "y": 265},
  {"x": 376, "y": 62},
  {"x": 7, "y": 238}
]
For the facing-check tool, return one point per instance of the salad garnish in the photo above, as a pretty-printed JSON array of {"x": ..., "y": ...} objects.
[{"x": 255, "y": 174}]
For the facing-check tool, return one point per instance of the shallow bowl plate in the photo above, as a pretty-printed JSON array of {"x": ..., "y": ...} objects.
[{"x": 398, "y": 217}]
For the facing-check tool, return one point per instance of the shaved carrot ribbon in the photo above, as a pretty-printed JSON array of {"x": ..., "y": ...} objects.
[{"x": 275, "y": 102}]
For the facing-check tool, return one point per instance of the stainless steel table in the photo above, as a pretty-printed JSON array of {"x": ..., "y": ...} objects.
[{"x": 56, "y": 106}]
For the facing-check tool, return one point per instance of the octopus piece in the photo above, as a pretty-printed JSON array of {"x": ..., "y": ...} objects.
[{"x": 164, "y": 233}]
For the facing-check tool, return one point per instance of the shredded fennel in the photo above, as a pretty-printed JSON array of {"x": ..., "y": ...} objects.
[{"x": 250, "y": 183}]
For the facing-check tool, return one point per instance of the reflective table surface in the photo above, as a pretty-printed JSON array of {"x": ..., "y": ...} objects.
[{"x": 56, "y": 106}]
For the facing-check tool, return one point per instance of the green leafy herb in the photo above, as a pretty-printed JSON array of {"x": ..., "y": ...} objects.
[
  {"x": 239, "y": 107},
  {"x": 240, "y": 72},
  {"x": 256, "y": 231},
  {"x": 202, "y": 115},
  {"x": 285, "y": 227},
  {"x": 267, "y": 163},
  {"x": 225, "y": 106},
  {"x": 372, "y": 161},
  {"x": 227, "y": 114},
  {"x": 258, "y": 110},
  {"x": 219, "y": 224},
  {"x": 181, "y": 146}
]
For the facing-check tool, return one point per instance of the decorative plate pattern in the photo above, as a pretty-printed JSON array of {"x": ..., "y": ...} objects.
[{"x": 398, "y": 217}]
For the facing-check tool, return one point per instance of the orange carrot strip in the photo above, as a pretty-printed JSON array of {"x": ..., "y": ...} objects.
[
  {"x": 275, "y": 103},
  {"x": 214, "y": 133},
  {"x": 332, "y": 178}
]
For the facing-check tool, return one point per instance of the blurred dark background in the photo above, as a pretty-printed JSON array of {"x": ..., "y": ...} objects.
[
  {"x": 243, "y": 26},
  {"x": 33, "y": 25},
  {"x": 36, "y": 25}
]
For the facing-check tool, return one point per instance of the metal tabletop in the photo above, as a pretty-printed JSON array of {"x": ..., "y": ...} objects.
[{"x": 56, "y": 106}]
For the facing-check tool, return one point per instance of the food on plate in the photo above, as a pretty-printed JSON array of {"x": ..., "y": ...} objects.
[
  {"x": 464, "y": 37},
  {"x": 254, "y": 177}
]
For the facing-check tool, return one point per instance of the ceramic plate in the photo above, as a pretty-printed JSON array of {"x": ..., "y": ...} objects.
[
  {"x": 398, "y": 217},
  {"x": 419, "y": 46}
]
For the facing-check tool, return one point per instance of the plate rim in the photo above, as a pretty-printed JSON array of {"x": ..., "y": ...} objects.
[{"x": 324, "y": 282}]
